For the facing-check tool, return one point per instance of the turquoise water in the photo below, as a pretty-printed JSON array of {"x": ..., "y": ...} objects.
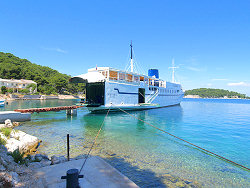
[{"x": 147, "y": 155}]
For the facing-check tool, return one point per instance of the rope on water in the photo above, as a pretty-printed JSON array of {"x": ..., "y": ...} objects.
[
  {"x": 94, "y": 141},
  {"x": 187, "y": 141}
]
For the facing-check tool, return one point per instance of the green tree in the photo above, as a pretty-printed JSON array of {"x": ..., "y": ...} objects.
[
  {"x": 25, "y": 91},
  {"x": 47, "y": 79},
  {"x": 32, "y": 87},
  {"x": 10, "y": 90},
  {"x": 3, "y": 89}
]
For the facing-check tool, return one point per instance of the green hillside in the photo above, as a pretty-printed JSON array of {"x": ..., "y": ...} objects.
[
  {"x": 214, "y": 93},
  {"x": 49, "y": 80}
]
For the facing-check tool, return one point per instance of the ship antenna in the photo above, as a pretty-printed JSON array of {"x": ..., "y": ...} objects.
[
  {"x": 173, "y": 69},
  {"x": 131, "y": 58}
]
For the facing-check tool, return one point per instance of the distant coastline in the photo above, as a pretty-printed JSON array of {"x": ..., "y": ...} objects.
[
  {"x": 195, "y": 97},
  {"x": 210, "y": 93}
]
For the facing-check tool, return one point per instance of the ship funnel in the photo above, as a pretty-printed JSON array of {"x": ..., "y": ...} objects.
[{"x": 153, "y": 72}]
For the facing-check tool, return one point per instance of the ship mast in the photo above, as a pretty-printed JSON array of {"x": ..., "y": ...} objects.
[
  {"x": 131, "y": 58},
  {"x": 173, "y": 69}
]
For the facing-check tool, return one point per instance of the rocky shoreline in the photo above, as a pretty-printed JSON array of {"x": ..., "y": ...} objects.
[
  {"x": 13, "y": 174},
  {"x": 17, "y": 164}
]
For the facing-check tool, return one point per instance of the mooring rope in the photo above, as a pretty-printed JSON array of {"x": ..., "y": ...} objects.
[
  {"x": 228, "y": 160},
  {"x": 94, "y": 141}
]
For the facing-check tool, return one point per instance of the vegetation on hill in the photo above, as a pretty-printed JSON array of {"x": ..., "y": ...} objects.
[
  {"x": 49, "y": 81},
  {"x": 214, "y": 93}
]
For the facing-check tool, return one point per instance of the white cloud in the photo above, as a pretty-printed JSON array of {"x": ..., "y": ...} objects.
[
  {"x": 239, "y": 84},
  {"x": 219, "y": 79},
  {"x": 56, "y": 50},
  {"x": 194, "y": 69},
  {"x": 209, "y": 85}
]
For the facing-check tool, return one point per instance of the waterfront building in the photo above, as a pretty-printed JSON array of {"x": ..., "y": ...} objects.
[{"x": 17, "y": 85}]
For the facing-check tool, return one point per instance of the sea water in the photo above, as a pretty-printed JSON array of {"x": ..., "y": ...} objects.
[{"x": 147, "y": 155}]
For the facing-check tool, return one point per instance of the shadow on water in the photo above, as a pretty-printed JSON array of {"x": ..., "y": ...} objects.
[{"x": 173, "y": 114}]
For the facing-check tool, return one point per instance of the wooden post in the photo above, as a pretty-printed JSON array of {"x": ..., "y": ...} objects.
[{"x": 68, "y": 146}]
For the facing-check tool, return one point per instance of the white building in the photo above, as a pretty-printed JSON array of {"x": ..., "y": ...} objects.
[{"x": 16, "y": 84}]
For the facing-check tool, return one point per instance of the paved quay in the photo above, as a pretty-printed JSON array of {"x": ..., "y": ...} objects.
[
  {"x": 97, "y": 173},
  {"x": 14, "y": 116}
]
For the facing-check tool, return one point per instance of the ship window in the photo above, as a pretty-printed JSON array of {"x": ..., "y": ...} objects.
[
  {"x": 136, "y": 78},
  {"x": 121, "y": 76},
  {"x": 129, "y": 77},
  {"x": 113, "y": 75},
  {"x": 150, "y": 82}
]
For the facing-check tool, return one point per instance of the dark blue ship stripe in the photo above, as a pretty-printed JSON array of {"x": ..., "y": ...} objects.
[
  {"x": 120, "y": 92},
  {"x": 125, "y": 92}
]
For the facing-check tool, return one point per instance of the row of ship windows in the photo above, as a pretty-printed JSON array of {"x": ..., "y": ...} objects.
[
  {"x": 120, "y": 76},
  {"x": 164, "y": 90}
]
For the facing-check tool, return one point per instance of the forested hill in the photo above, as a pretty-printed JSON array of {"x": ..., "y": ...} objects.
[
  {"x": 49, "y": 80},
  {"x": 214, "y": 93}
]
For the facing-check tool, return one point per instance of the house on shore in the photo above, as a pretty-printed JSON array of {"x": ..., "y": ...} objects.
[{"x": 17, "y": 85}]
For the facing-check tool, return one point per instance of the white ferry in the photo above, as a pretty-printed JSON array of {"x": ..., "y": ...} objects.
[{"x": 110, "y": 88}]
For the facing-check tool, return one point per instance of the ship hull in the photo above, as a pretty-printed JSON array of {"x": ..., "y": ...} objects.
[
  {"x": 120, "y": 96},
  {"x": 104, "y": 109}
]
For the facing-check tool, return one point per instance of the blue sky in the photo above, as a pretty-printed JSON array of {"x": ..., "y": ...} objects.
[{"x": 209, "y": 39}]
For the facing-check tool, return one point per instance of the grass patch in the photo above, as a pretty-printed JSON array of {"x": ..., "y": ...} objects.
[
  {"x": 2, "y": 141},
  {"x": 18, "y": 157},
  {"x": 6, "y": 131}
]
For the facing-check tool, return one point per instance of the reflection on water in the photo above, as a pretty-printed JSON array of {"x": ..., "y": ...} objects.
[{"x": 145, "y": 154}]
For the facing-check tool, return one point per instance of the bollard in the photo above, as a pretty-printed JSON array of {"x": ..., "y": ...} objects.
[
  {"x": 72, "y": 178},
  {"x": 68, "y": 146}
]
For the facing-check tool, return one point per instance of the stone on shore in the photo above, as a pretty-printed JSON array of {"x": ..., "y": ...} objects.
[
  {"x": 8, "y": 123},
  {"x": 20, "y": 140},
  {"x": 16, "y": 175},
  {"x": 57, "y": 160}
]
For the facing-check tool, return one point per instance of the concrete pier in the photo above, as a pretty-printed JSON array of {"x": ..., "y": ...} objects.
[
  {"x": 71, "y": 112},
  {"x": 97, "y": 173},
  {"x": 14, "y": 116}
]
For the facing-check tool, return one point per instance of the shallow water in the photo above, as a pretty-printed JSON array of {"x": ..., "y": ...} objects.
[{"x": 147, "y": 155}]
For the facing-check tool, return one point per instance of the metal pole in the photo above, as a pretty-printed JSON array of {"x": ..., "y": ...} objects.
[{"x": 68, "y": 146}]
